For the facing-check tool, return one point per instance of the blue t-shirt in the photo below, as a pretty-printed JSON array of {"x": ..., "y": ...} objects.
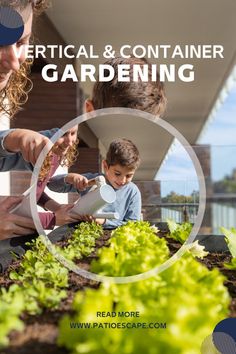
[{"x": 127, "y": 204}]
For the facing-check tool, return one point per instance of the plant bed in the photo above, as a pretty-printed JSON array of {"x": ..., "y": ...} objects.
[{"x": 41, "y": 331}]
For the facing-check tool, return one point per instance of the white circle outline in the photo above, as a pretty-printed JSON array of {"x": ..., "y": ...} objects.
[{"x": 202, "y": 195}]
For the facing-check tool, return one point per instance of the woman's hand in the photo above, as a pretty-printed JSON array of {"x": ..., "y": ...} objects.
[
  {"x": 12, "y": 225},
  {"x": 63, "y": 215}
]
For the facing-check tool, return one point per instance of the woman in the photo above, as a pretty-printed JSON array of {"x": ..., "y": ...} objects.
[
  {"x": 14, "y": 88},
  {"x": 15, "y": 84}
]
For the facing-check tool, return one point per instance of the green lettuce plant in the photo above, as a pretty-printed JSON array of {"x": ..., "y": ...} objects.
[
  {"x": 179, "y": 232},
  {"x": 11, "y": 306},
  {"x": 230, "y": 237},
  {"x": 42, "y": 279},
  {"x": 187, "y": 297},
  {"x": 133, "y": 248}
]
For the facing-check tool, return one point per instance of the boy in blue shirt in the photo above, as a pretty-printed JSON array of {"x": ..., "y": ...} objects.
[
  {"x": 123, "y": 157},
  {"x": 121, "y": 162}
]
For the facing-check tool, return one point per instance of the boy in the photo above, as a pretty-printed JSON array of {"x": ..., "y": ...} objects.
[
  {"x": 121, "y": 162},
  {"x": 146, "y": 96}
]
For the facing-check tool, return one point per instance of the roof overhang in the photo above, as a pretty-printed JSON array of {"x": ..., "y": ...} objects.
[{"x": 186, "y": 22}]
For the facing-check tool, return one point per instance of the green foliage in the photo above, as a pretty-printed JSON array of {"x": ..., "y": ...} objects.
[
  {"x": 174, "y": 197},
  {"x": 231, "y": 265},
  {"x": 230, "y": 237},
  {"x": 87, "y": 229},
  {"x": 133, "y": 248},
  {"x": 42, "y": 278},
  {"x": 179, "y": 232},
  {"x": 188, "y": 297},
  {"x": 82, "y": 241},
  {"x": 39, "y": 264},
  {"x": 226, "y": 185},
  {"x": 11, "y": 306}
]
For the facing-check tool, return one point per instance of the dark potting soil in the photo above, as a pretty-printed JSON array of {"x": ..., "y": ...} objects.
[{"x": 41, "y": 331}]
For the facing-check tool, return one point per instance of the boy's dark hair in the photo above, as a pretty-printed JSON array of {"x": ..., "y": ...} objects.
[
  {"x": 123, "y": 152},
  {"x": 146, "y": 96}
]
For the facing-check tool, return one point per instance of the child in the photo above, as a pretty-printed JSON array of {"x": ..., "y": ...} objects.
[
  {"x": 146, "y": 96},
  {"x": 63, "y": 153},
  {"x": 121, "y": 162}
]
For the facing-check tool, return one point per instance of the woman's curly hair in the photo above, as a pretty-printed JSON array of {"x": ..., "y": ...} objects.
[
  {"x": 16, "y": 92},
  {"x": 66, "y": 161},
  {"x": 19, "y": 85}
]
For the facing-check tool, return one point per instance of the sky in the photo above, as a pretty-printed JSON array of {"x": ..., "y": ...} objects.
[
  {"x": 178, "y": 173},
  {"x": 221, "y": 135}
]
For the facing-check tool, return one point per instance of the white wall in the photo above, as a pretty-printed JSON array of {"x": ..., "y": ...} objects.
[
  {"x": 59, "y": 197},
  {"x": 4, "y": 176}
]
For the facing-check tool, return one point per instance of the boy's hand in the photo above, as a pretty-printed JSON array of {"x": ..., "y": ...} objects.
[
  {"x": 83, "y": 217},
  {"x": 90, "y": 218},
  {"x": 78, "y": 181},
  {"x": 28, "y": 142},
  {"x": 100, "y": 221},
  {"x": 86, "y": 218}
]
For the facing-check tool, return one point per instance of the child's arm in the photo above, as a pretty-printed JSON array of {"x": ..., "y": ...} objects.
[
  {"x": 78, "y": 181},
  {"x": 58, "y": 184},
  {"x": 66, "y": 183}
]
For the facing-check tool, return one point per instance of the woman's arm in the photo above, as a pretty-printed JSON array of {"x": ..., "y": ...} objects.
[{"x": 11, "y": 156}]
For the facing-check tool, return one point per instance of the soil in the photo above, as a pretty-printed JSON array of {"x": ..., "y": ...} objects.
[{"x": 40, "y": 333}]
